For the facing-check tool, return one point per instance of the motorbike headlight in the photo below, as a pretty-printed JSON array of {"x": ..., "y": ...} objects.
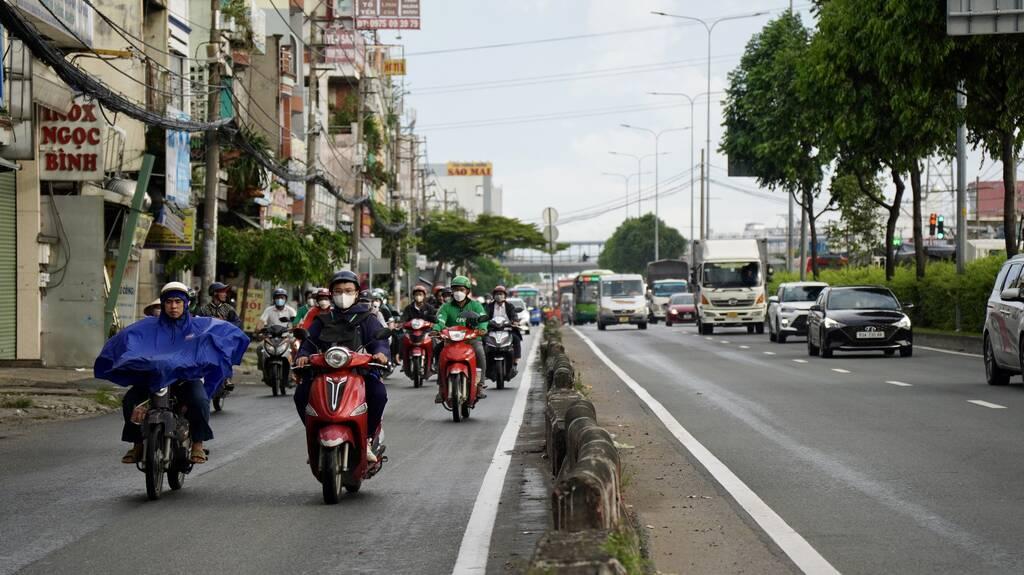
[
  {"x": 417, "y": 324},
  {"x": 337, "y": 357},
  {"x": 361, "y": 409},
  {"x": 281, "y": 348},
  {"x": 456, "y": 335},
  {"x": 500, "y": 337},
  {"x": 904, "y": 323},
  {"x": 831, "y": 323}
]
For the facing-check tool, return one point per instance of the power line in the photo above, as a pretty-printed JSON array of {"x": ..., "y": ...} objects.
[{"x": 514, "y": 120}]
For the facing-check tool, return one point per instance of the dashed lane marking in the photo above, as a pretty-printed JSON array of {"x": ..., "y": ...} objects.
[
  {"x": 800, "y": 360},
  {"x": 744, "y": 347},
  {"x": 725, "y": 341},
  {"x": 769, "y": 353},
  {"x": 838, "y": 370},
  {"x": 986, "y": 404},
  {"x": 900, "y": 384}
]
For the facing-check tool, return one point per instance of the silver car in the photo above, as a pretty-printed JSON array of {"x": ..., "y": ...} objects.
[
  {"x": 787, "y": 309},
  {"x": 1004, "y": 324}
]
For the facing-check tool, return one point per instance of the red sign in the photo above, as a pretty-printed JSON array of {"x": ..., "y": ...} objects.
[
  {"x": 389, "y": 8},
  {"x": 388, "y": 15},
  {"x": 71, "y": 143}
]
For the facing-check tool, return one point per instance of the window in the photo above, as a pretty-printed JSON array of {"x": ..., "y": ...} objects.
[
  {"x": 179, "y": 84},
  {"x": 863, "y": 298},
  {"x": 681, "y": 299},
  {"x": 667, "y": 289},
  {"x": 799, "y": 293},
  {"x": 622, "y": 288},
  {"x": 1012, "y": 277},
  {"x": 732, "y": 274}
]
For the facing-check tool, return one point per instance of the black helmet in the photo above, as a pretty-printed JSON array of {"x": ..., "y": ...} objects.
[
  {"x": 216, "y": 287},
  {"x": 365, "y": 296},
  {"x": 344, "y": 276},
  {"x": 280, "y": 292}
]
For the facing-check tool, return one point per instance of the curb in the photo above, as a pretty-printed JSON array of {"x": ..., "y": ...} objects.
[{"x": 951, "y": 342}]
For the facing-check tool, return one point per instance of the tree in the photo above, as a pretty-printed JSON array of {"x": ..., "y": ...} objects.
[
  {"x": 859, "y": 230},
  {"x": 772, "y": 118},
  {"x": 488, "y": 273},
  {"x": 450, "y": 238},
  {"x": 631, "y": 246}
]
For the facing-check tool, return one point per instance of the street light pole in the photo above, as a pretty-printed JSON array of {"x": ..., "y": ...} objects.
[
  {"x": 657, "y": 178},
  {"x": 639, "y": 168},
  {"x": 709, "y": 28},
  {"x": 625, "y": 178}
]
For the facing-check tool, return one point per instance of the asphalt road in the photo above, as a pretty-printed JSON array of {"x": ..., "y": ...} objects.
[
  {"x": 67, "y": 504},
  {"x": 883, "y": 464}
]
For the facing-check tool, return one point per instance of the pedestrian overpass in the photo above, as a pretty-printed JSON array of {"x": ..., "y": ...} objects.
[{"x": 576, "y": 257}]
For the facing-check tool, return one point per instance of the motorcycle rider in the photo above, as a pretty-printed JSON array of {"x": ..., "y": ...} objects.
[
  {"x": 449, "y": 315},
  {"x": 418, "y": 309},
  {"x": 218, "y": 305},
  {"x": 278, "y": 314},
  {"x": 499, "y": 306},
  {"x": 352, "y": 324},
  {"x": 307, "y": 304},
  {"x": 153, "y": 309},
  {"x": 323, "y": 302},
  {"x": 436, "y": 297}
]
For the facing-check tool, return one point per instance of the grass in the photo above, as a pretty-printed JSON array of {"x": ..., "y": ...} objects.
[
  {"x": 16, "y": 402},
  {"x": 105, "y": 397},
  {"x": 628, "y": 474},
  {"x": 933, "y": 331},
  {"x": 580, "y": 387},
  {"x": 624, "y": 545}
]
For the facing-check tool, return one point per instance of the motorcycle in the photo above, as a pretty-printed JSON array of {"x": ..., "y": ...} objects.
[
  {"x": 499, "y": 351},
  {"x": 457, "y": 376},
  {"x": 166, "y": 441},
  {"x": 222, "y": 393},
  {"x": 336, "y": 421},
  {"x": 417, "y": 362},
  {"x": 275, "y": 363}
]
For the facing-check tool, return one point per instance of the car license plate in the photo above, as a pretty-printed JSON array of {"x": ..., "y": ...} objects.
[
  {"x": 870, "y": 335},
  {"x": 623, "y": 319},
  {"x": 732, "y": 315}
]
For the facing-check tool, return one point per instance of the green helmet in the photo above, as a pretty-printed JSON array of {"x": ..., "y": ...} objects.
[{"x": 461, "y": 281}]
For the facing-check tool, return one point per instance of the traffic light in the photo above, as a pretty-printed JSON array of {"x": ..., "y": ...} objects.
[
  {"x": 932, "y": 221},
  {"x": 942, "y": 227}
]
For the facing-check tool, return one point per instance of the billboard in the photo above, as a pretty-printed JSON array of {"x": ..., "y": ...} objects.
[
  {"x": 388, "y": 14},
  {"x": 343, "y": 46},
  {"x": 163, "y": 238},
  {"x": 394, "y": 67},
  {"x": 470, "y": 169},
  {"x": 982, "y": 17}
]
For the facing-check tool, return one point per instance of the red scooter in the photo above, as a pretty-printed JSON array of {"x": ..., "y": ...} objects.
[
  {"x": 417, "y": 361},
  {"x": 336, "y": 421},
  {"x": 457, "y": 377}
]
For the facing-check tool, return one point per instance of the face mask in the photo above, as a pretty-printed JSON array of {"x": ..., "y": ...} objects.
[
  {"x": 324, "y": 303},
  {"x": 344, "y": 301},
  {"x": 418, "y": 297},
  {"x": 459, "y": 296},
  {"x": 311, "y": 302},
  {"x": 499, "y": 298},
  {"x": 376, "y": 305},
  {"x": 279, "y": 302}
]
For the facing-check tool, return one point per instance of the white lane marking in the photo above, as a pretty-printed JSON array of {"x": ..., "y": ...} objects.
[
  {"x": 744, "y": 347},
  {"x": 800, "y": 360},
  {"x": 900, "y": 384},
  {"x": 710, "y": 338},
  {"x": 806, "y": 558},
  {"x": 949, "y": 351},
  {"x": 724, "y": 341},
  {"x": 986, "y": 404},
  {"x": 476, "y": 542},
  {"x": 769, "y": 353},
  {"x": 838, "y": 370}
]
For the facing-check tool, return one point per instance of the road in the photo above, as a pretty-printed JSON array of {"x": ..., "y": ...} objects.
[
  {"x": 882, "y": 464},
  {"x": 69, "y": 505}
]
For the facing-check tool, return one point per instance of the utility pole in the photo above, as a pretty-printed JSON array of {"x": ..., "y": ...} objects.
[
  {"x": 803, "y": 243},
  {"x": 212, "y": 160},
  {"x": 789, "y": 236},
  {"x": 313, "y": 127},
  {"x": 961, "y": 193},
  {"x": 702, "y": 212},
  {"x": 357, "y": 210}
]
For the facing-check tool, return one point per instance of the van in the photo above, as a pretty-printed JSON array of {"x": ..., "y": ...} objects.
[{"x": 622, "y": 301}]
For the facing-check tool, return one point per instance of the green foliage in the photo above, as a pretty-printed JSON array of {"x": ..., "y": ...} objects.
[
  {"x": 106, "y": 397},
  {"x": 488, "y": 273},
  {"x": 631, "y": 246},
  {"x": 343, "y": 116},
  {"x": 935, "y": 296},
  {"x": 859, "y": 231},
  {"x": 16, "y": 402},
  {"x": 449, "y": 237},
  {"x": 244, "y": 172},
  {"x": 624, "y": 545},
  {"x": 372, "y": 136}
]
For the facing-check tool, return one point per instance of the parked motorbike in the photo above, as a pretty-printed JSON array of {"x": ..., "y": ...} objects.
[
  {"x": 457, "y": 376},
  {"x": 499, "y": 350},
  {"x": 336, "y": 421},
  {"x": 276, "y": 358},
  {"x": 166, "y": 442},
  {"x": 417, "y": 361}
]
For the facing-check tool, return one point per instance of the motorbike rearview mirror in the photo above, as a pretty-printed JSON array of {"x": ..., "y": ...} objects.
[{"x": 300, "y": 333}]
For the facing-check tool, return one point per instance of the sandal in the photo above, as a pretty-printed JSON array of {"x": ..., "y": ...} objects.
[
  {"x": 198, "y": 456},
  {"x": 132, "y": 457}
]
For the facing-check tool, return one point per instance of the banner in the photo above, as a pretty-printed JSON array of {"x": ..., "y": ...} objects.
[
  {"x": 388, "y": 15},
  {"x": 253, "y": 309},
  {"x": 162, "y": 238},
  {"x": 127, "y": 301}
]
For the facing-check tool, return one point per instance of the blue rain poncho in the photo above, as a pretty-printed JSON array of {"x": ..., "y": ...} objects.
[{"x": 160, "y": 351}]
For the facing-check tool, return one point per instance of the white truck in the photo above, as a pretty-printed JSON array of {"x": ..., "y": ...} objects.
[
  {"x": 729, "y": 282},
  {"x": 622, "y": 301}
]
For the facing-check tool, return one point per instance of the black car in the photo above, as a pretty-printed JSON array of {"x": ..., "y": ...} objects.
[{"x": 858, "y": 318}]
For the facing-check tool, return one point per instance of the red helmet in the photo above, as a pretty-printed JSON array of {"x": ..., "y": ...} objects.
[
  {"x": 323, "y": 293},
  {"x": 499, "y": 289},
  {"x": 437, "y": 288},
  {"x": 419, "y": 288}
]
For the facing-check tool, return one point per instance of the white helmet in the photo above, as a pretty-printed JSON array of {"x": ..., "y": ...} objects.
[{"x": 174, "y": 287}]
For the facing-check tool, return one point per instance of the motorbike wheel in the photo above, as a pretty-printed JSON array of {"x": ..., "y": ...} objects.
[
  {"x": 499, "y": 377},
  {"x": 465, "y": 410},
  {"x": 417, "y": 376},
  {"x": 218, "y": 402},
  {"x": 454, "y": 384},
  {"x": 273, "y": 387},
  {"x": 330, "y": 476},
  {"x": 176, "y": 470},
  {"x": 154, "y": 465}
]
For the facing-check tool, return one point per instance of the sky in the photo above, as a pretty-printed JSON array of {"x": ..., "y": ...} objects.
[{"x": 604, "y": 81}]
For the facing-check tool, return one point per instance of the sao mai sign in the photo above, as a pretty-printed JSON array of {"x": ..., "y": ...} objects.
[
  {"x": 71, "y": 143},
  {"x": 470, "y": 169}
]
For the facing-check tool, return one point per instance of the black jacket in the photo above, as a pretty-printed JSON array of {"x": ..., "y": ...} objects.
[
  {"x": 426, "y": 311},
  {"x": 510, "y": 311}
]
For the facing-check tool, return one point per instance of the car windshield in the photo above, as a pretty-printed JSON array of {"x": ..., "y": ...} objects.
[
  {"x": 623, "y": 288},
  {"x": 863, "y": 298},
  {"x": 801, "y": 293},
  {"x": 516, "y": 302},
  {"x": 681, "y": 299},
  {"x": 732, "y": 274},
  {"x": 668, "y": 288}
]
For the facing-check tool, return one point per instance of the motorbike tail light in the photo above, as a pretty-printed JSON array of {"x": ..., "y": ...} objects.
[{"x": 337, "y": 357}]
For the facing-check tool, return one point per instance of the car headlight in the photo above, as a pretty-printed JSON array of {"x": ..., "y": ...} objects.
[
  {"x": 785, "y": 309},
  {"x": 674, "y": 312},
  {"x": 456, "y": 335},
  {"x": 337, "y": 357},
  {"x": 904, "y": 323},
  {"x": 831, "y": 323}
]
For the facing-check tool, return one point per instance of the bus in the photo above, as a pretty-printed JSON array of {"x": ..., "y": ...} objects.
[
  {"x": 531, "y": 296},
  {"x": 585, "y": 296}
]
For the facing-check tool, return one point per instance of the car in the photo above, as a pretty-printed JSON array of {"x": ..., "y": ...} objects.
[
  {"x": 524, "y": 315},
  {"x": 787, "y": 309},
  {"x": 681, "y": 309},
  {"x": 1003, "y": 334},
  {"x": 859, "y": 318}
]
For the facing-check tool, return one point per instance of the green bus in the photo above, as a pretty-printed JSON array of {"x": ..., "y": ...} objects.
[{"x": 585, "y": 296}]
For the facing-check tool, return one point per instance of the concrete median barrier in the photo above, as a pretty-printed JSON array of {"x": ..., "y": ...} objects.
[
  {"x": 575, "y": 553},
  {"x": 586, "y": 493}
]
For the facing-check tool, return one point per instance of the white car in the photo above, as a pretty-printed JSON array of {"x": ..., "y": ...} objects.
[
  {"x": 524, "y": 316},
  {"x": 787, "y": 309}
]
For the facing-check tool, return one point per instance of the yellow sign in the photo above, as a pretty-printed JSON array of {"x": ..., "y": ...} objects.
[
  {"x": 394, "y": 67},
  {"x": 161, "y": 238},
  {"x": 253, "y": 308},
  {"x": 470, "y": 169}
]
